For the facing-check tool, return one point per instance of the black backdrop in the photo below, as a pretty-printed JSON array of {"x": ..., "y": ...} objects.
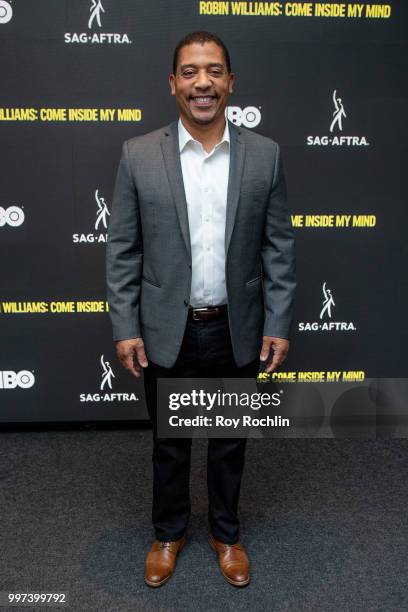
[{"x": 57, "y": 175}]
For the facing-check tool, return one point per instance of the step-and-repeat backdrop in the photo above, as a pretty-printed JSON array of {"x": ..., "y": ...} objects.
[{"x": 326, "y": 80}]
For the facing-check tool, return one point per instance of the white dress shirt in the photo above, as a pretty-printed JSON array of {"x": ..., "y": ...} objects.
[{"x": 205, "y": 177}]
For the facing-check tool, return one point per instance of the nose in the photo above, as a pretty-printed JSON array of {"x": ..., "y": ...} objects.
[{"x": 203, "y": 81}]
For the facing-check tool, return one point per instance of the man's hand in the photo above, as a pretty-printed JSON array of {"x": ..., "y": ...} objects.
[
  {"x": 280, "y": 348},
  {"x": 131, "y": 355}
]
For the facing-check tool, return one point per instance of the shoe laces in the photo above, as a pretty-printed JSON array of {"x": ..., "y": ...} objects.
[{"x": 230, "y": 547}]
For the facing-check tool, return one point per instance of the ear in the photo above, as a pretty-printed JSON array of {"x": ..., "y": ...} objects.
[
  {"x": 231, "y": 82},
  {"x": 172, "y": 79}
]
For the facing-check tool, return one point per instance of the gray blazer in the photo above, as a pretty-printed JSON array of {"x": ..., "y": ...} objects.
[{"x": 148, "y": 258}]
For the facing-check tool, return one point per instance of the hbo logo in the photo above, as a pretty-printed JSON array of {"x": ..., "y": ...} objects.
[
  {"x": 6, "y": 12},
  {"x": 13, "y": 215},
  {"x": 249, "y": 117},
  {"x": 11, "y": 380}
]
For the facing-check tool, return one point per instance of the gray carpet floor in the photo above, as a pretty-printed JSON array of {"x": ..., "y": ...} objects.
[{"x": 324, "y": 523}]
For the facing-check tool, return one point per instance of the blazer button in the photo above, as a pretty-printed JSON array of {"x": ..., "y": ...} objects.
[{"x": 185, "y": 303}]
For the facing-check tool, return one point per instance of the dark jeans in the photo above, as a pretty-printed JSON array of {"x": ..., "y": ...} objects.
[{"x": 206, "y": 352}]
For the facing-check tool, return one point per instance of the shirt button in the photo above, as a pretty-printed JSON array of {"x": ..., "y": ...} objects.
[{"x": 185, "y": 303}]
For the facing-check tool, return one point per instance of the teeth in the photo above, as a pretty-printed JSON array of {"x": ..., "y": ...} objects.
[{"x": 202, "y": 99}]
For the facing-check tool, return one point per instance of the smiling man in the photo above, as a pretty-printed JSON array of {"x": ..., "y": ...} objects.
[
  {"x": 202, "y": 84},
  {"x": 201, "y": 279}
]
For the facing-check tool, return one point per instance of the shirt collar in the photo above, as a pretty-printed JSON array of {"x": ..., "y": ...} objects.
[{"x": 185, "y": 136}]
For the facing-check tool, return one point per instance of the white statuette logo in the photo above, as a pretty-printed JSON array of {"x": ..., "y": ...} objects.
[
  {"x": 6, "y": 12},
  {"x": 105, "y": 394},
  {"x": 328, "y": 302},
  {"x": 94, "y": 35},
  {"x": 336, "y": 136},
  {"x": 102, "y": 212},
  {"x": 101, "y": 224},
  {"x": 325, "y": 322},
  {"x": 96, "y": 9},
  {"x": 107, "y": 374},
  {"x": 338, "y": 113},
  {"x": 13, "y": 216}
]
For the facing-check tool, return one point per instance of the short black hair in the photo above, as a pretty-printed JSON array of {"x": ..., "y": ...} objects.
[{"x": 200, "y": 37}]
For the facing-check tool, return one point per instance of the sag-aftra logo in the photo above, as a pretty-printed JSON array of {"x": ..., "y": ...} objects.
[
  {"x": 325, "y": 322},
  {"x": 336, "y": 137},
  {"x": 107, "y": 377},
  {"x": 101, "y": 223},
  {"x": 94, "y": 35}
]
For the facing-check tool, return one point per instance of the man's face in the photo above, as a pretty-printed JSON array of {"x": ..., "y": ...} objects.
[{"x": 202, "y": 84}]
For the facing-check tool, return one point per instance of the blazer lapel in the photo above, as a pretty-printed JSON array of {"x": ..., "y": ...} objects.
[
  {"x": 237, "y": 158},
  {"x": 171, "y": 155}
]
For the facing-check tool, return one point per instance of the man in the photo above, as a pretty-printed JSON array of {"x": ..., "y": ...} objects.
[{"x": 201, "y": 276}]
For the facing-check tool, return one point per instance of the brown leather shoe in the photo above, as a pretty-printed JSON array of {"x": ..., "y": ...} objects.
[
  {"x": 233, "y": 560},
  {"x": 161, "y": 561}
]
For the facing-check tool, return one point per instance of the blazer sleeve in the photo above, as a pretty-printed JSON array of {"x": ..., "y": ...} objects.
[
  {"x": 124, "y": 254},
  {"x": 278, "y": 258}
]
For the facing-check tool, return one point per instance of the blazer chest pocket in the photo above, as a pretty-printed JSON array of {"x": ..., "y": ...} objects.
[
  {"x": 150, "y": 281},
  {"x": 161, "y": 211},
  {"x": 254, "y": 188},
  {"x": 254, "y": 281},
  {"x": 252, "y": 205},
  {"x": 253, "y": 198}
]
